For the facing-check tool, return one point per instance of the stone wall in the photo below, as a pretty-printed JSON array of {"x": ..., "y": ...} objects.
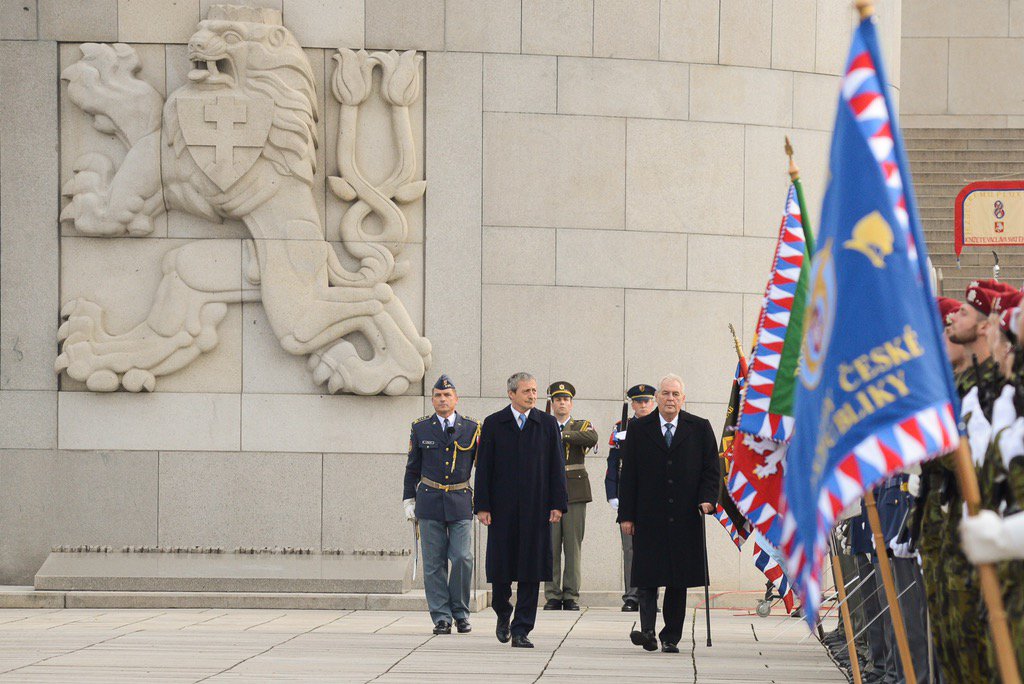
[
  {"x": 605, "y": 181},
  {"x": 961, "y": 64}
]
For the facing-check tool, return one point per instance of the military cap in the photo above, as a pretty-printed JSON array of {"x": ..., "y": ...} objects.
[
  {"x": 640, "y": 392},
  {"x": 1008, "y": 322},
  {"x": 444, "y": 383},
  {"x": 947, "y": 307},
  {"x": 561, "y": 389},
  {"x": 991, "y": 296}
]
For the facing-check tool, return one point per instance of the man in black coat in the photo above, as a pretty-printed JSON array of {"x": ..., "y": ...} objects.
[
  {"x": 669, "y": 477},
  {"x": 520, "y": 490}
]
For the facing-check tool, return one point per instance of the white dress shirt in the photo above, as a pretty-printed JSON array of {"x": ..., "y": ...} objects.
[
  {"x": 516, "y": 415},
  {"x": 450, "y": 419},
  {"x": 674, "y": 423}
]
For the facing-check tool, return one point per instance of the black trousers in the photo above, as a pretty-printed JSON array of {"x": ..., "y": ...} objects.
[
  {"x": 673, "y": 609},
  {"x": 526, "y": 604}
]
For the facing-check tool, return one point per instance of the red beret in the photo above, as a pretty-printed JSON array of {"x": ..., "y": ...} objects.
[
  {"x": 991, "y": 296},
  {"x": 947, "y": 307},
  {"x": 1008, "y": 320}
]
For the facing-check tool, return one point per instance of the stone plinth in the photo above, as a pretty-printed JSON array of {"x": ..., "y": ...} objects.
[{"x": 212, "y": 572}]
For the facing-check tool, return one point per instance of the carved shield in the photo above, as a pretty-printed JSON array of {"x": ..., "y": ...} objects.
[{"x": 225, "y": 133}]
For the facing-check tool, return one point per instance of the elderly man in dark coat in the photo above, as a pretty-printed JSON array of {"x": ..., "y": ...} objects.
[
  {"x": 669, "y": 478},
  {"x": 520, "y": 490}
]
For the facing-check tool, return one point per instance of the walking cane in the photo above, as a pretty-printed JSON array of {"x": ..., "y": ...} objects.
[{"x": 707, "y": 581}]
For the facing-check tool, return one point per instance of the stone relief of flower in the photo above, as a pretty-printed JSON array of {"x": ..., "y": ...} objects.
[{"x": 353, "y": 79}]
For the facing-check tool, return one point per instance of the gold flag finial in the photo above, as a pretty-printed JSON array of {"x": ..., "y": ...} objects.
[
  {"x": 794, "y": 171},
  {"x": 736, "y": 341},
  {"x": 865, "y": 7}
]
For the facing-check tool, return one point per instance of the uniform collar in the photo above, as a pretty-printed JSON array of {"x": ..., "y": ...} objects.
[{"x": 451, "y": 419}]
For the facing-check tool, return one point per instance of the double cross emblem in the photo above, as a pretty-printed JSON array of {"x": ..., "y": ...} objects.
[{"x": 225, "y": 133}]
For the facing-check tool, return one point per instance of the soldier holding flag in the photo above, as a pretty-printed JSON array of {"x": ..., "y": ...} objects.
[{"x": 875, "y": 392}]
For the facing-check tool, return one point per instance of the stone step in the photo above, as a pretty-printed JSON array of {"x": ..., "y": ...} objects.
[
  {"x": 964, "y": 133},
  {"x": 28, "y": 597},
  {"x": 225, "y": 572},
  {"x": 957, "y": 156},
  {"x": 925, "y": 180},
  {"x": 948, "y": 190},
  {"x": 19, "y": 597},
  {"x": 913, "y": 146},
  {"x": 1001, "y": 168}
]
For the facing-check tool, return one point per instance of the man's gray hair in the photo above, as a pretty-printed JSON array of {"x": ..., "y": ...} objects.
[
  {"x": 672, "y": 377},
  {"x": 516, "y": 378}
]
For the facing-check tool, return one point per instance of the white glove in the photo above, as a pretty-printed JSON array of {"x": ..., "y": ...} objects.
[
  {"x": 410, "y": 508},
  {"x": 1003, "y": 410},
  {"x": 987, "y": 538},
  {"x": 914, "y": 486},
  {"x": 1011, "y": 442},
  {"x": 620, "y": 436},
  {"x": 614, "y": 503},
  {"x": 979, "y": 430},
  {"x": 901, "y": 550}
]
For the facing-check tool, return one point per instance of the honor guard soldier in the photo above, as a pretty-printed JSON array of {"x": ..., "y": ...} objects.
[
  {"x": 578, "y": 437},
  {"x": 438, "y": 498},
  {"x": 641, "y": 398}
]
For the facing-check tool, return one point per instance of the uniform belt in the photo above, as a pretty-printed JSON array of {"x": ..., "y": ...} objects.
[
  {"x": 458, "y": 486},
  {"x": 575, "y": 466}
]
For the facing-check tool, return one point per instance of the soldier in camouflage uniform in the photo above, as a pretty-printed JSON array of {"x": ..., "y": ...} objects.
[
  {"x": 999, "y": 483},
  {"x": 951, "y": 581},
  {"x": 929, "y": 518}
]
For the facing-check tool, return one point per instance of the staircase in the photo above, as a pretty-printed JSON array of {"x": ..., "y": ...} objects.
[{"x": 943, "y": 161}]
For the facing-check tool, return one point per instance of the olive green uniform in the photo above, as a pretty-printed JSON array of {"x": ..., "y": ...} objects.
[
  {"x": 578, "y": 437},
  {"x": 959, "y": 626}
]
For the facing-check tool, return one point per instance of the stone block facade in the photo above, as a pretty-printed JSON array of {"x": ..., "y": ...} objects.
[{"x": 604, "y": 182}]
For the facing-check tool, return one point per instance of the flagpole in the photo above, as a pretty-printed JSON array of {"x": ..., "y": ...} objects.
[
  {"x": 844, "y": 610},
  {"x": 890, "y": 587},
  {"x": 991, "y": 592},
  {"x": 805, "y": 218}
]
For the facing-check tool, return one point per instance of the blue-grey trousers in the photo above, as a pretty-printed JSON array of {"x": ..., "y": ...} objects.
[{"x": 443, "y": 543}]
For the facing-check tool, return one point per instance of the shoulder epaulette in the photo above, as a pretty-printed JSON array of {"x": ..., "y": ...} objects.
[
  {"x": 470, "y": 418},
  {"x": 420, "y": 420}
]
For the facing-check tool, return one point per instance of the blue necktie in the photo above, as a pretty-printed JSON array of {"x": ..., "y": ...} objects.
[
  {"x": 668, "y": 434},
  {"x": 522, "y": 421}
]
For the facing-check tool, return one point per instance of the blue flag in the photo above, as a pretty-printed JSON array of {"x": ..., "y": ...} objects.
[{"x": 876, "y": 391}]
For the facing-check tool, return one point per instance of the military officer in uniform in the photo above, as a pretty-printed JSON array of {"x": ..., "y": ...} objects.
[
  {"x": 437, "y": 496},
  {"x": 641, "y": 398},
  {"x": 578, "y": 437}
]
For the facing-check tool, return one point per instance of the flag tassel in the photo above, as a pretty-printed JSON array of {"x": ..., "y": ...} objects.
[
  {"x": 991, "y": 592},
  {"x": 890, "y": 588}
]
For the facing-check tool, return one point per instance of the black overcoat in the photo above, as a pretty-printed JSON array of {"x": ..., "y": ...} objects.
[
  {"x": 520, "y": 479},
  {"x": 659, "y": 492}
]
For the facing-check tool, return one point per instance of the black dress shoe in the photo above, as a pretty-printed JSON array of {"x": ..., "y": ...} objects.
[
  {"x": 443, "y": 627},
  {"x": 645, "y": 639},
  {"x": 570, "y": 605},
  {"x": 553, "y": 604},
  {"x": 630, "y": 607},
  {"x": 503, "y": 632},
  {"x": 520, "y": 641},
  {"x": 668, "y": 647},
  {"x": 462, "y": 624}
]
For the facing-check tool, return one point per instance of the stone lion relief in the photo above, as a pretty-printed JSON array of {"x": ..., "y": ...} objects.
[{"x": 239, "y": 141}]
